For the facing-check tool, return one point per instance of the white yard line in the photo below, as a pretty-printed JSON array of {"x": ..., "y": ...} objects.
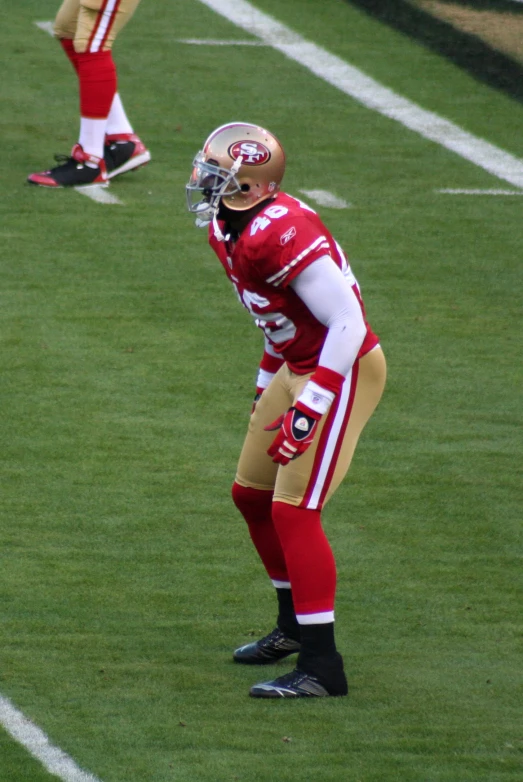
[
  {"x": 98, "y": 193},
  {"x": 326, "y": 198},
  {"x": 37, "y": 743},
  {"x": 454, "y": 191},
  {"x": 369, "y": 92},
  {"x": 215, "y": 42},
  {"x": 47, "y": 27}
]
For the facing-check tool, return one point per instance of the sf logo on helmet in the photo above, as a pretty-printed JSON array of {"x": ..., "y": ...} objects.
[{"x": 252, "y": 152}]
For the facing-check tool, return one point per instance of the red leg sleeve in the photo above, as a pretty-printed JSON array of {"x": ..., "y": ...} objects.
[
  {"x": 256, "y": 508},
  {"x": 98, "y": 83},
  {"x": 309, "y": 557},
  {"x": 68, "y": 47}
]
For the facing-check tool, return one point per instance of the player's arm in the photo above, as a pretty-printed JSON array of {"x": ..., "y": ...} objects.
[
  {"x": 329, "y": 297},
  {"x": 269, "y": 365}
]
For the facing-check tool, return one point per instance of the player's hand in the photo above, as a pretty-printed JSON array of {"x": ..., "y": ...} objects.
[
  {"x": 259, "y": 392},
  {"x": 254, "y": 402},
  {"x": 296, "y": 432}
]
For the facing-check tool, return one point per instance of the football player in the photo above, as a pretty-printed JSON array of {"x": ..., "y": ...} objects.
[
  {"x": 107, "y": 145},
  {"x": 320, "y": 378}
]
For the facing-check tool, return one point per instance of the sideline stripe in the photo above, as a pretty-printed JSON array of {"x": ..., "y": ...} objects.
[
  {"x": 36, "y": 742},
  {"x": 369, "y": 92},
  {"x": 452, "y": 191}
]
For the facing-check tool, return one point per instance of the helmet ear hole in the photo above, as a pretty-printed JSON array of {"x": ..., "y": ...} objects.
[{"x": 245, "y": 188}]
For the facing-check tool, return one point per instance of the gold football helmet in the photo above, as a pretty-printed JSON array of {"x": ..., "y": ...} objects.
[{"x": 240, "y": 165}]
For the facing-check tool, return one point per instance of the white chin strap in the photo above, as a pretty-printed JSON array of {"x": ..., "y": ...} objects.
[{"x": 221, "y": 237}]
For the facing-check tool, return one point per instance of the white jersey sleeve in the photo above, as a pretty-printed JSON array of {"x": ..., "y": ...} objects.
[{"x": 327, "y": 293}]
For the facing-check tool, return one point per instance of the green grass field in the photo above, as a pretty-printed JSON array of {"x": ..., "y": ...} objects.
[{"x": 126, "y": 575}]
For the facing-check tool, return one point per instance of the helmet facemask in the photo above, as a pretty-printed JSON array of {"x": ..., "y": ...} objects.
[{"x": 212, "y": 181}]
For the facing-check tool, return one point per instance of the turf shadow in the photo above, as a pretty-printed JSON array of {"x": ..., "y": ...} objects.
[
  {"x": 465, "y": 50},
  {"x": 488, "y": 5}
]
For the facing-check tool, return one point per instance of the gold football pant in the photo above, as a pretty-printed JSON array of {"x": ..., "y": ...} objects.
[
  {"x": 310, "y": 480},
  {"x": 93, "y": 24}
]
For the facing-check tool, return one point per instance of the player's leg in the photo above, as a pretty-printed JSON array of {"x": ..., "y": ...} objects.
[
  {"x": 85, "y": 165},
  {"x": 255, "y": 505},
  {"x": 64, "y": 28},
  {"x": 87, "y": 30},
  {"x": 123, "y": 150},
  {"x": 372, "y": 375},
  {"x": 252, "y": 494},
  {"x": 301, "y": 490}
]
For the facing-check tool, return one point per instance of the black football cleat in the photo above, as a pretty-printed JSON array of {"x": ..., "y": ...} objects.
[
  {"x": 325, "y": 676},
  {"x": 78, "y": 170},
  {"x": 295, "y": 684},
  {"x": 123, "y": 153},
  {"x": 269, "y": 649}
]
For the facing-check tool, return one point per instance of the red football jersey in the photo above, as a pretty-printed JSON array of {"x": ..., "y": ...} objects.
[{"x": 282, "y": 240}]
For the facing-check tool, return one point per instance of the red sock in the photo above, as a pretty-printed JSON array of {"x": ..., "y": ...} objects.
[
  {"x": 255, "y": 506},
  {"x": 68, "y": 47},
  {"x": 98, "y": 83},
  {"x": 309, "y": 557}
]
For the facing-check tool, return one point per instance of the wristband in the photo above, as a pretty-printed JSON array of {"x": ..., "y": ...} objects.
[
  {"x": 263, "y": 379},
  {"x": 320, "y": 391}
]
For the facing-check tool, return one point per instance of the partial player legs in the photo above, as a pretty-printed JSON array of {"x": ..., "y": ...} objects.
[
  {"x": 107, "y": 145},
  {"x": 255, "y": 506},
  {"x": 292, "y": 545},
  {"x": 295, "y": 522}
]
